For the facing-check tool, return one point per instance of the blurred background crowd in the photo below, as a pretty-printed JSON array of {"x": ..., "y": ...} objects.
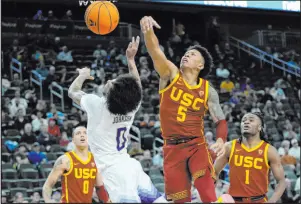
[{"x": 37, "y": 125}]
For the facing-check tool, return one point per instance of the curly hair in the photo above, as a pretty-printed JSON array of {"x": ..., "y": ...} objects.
[
  {"x": 124, "y": 96},
  {"x": 208, "y": 60}
]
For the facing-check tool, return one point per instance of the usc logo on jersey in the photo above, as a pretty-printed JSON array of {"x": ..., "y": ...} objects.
[
  {"x": 186, "y": 100},
  {"x": 248, "y": 162},
  {"x": 84, "y": 173}
]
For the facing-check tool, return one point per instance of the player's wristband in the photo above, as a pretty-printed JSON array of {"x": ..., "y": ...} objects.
[
  {"x": 102, "y": 194},
  {"x": 222, "y": 130}
]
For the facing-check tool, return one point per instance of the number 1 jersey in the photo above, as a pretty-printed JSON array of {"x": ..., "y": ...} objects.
[{"x": 108, "y": 134}]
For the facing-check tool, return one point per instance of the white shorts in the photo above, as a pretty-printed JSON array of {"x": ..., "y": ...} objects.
[{"x": 126, "y": 182}]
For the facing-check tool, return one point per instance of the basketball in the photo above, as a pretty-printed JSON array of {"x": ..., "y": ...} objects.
[{"x": 102, "y": 17}]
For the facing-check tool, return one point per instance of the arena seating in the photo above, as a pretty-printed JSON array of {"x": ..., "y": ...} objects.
[{"x": 21, "y": 174}]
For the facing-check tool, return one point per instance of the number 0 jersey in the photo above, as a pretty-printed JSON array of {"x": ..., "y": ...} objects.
[
  {"x": 249, "y": 170},
  {"x": 78, "y": 183},
  {"x": 183, "y": 107},
  {"x": 107, "y": 133}
]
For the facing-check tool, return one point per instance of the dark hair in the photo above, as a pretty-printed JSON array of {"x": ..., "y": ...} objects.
[
  {"x": 77, "y": 126},
  {"x": 262, "y": 135},
  {"x": 125, "y": 95},
  {"x": 208, "y": 60}
]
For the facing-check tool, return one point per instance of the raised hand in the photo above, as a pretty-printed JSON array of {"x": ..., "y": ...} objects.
[
  {"x": 85, "y": 73},
  {"x": 131, "y": 51},
  {"x": 147, "y": 23}
]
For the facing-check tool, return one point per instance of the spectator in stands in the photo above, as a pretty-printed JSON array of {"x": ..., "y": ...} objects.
[
  {"x": 20, "y": 120},
  {"x": 37, "y": 122},
  {"x": 56, "y": 196},
  {"x": 64, "y": 141},
  {"x": 68, "y": 16},
  {"x": 247, "y": 84},
  {"x": 53, "y": 129},
  {"x": 51, "y": 78},
  {"x": 38, "y": 58},
  {"x": 20, "y": 156},
  {"x": 279, "y": 109},
  {"x": 57, "y": 45},
  {"x": 255, "y": 107},
  {"x": 43, "y": 71},
  {"x": 41, "y": 106},
  {"x": 28, "y": 137},
  {"x": 54, "y": 113},
  {"x": 44, "y": 138},
  {"x": 158, "y": 159},
  {"x": 35, "y": 156},
  {"x": 19, "y": 198},
  {"x": 222, "y": 72},
  {"x": 35, "y": 198},
  {"x": 209, "y": 138},
  {"x": 288, "y": 133},
  {"x": 5, "y": 84},
  {"x": 100, "y": 51},
  {"x": 16, "y": 82},
  {"x": 229, "y": 52},
  {"x": 39, "y": 15},
  {"x": 51, "y": 16},
  {"x": 227, "y": 86},
  {"x": 269, "y": 110},
  {"x": 65, "y": 55},
  {"x": 295, "y": 150},
  {"x": 277, "y": 93},
  {"x": 18, "y": 99},
  {"x": 227, "y": 112}
]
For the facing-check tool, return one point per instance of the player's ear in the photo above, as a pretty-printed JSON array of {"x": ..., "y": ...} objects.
[{"x": 200, "y": 66}]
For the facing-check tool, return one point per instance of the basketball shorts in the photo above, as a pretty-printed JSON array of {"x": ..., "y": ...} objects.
[{"x": 126, "y": 182}]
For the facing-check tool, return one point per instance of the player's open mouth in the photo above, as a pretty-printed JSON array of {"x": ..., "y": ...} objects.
[
  {"x": 82, "y": 140},
  {"x": 184, "y": 60}
]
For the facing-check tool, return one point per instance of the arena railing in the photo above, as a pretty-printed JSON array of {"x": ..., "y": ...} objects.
[
  {"x": 59, "y": 94},
  {"x": 263, "y": 56},
  {"x": 36, "y": 78},
  {"x": 15, "y": 68},
  {"x": 283, "y": 39},
  {"x": 63, "y": 28}
]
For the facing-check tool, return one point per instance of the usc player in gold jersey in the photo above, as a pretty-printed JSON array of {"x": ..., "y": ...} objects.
[
  {"x": 250, "y": 159},
  {"x": 78, "y": 173}
]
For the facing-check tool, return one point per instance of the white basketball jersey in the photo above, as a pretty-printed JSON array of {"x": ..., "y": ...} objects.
[{"x": 107, "y": 133}]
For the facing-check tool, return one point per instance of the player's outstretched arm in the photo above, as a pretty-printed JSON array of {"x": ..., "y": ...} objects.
[
  {"x": 131, "y": 52},
  {"x": 164, "y": 67},
  {"x": 62, "y": 164},
  {"x": 74, "y": 91},
  {"x": 278, "y": 172},
  {"x": 100, "y": 189},
  {"x": 218, "y": 117},
  {"x": 221, "y": 161}
]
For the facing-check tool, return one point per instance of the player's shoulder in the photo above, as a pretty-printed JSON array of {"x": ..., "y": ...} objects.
[
  {"x": 63, "y": 162},
  {"x": 92, "y": 97}
]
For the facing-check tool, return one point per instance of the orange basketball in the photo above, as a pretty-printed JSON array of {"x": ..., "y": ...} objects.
[{"x": 102, "y": 17}]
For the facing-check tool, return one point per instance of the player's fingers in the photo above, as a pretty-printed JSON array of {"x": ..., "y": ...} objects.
[
  {"x": 78, "y": 70},
  {"x": 130, "y": 45},
  {"x": 156, "y": 24},
  {"x": 91, "y": 78},
  {"x": 137, "y": 40},
  {"x": 133, "y": 40}
]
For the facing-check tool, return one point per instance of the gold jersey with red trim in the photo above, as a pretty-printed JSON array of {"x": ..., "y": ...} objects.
[
  {"x": 79, "y": 181},
  {"x": 249, "y": 170},
  {"x": 183, "y": 107}
]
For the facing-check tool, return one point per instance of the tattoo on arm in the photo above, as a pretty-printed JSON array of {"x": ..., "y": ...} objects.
[
  {"x": 74, "y": 91},
  {"x": 53, "y": 177},
  {"x": 214, "y": 106}
]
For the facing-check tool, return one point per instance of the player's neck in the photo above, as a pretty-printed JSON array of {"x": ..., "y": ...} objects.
[
  {"x": 190, "y": 76},
  {"x": 251, "y": 142},
  {"x": 82, "y": 152}
]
